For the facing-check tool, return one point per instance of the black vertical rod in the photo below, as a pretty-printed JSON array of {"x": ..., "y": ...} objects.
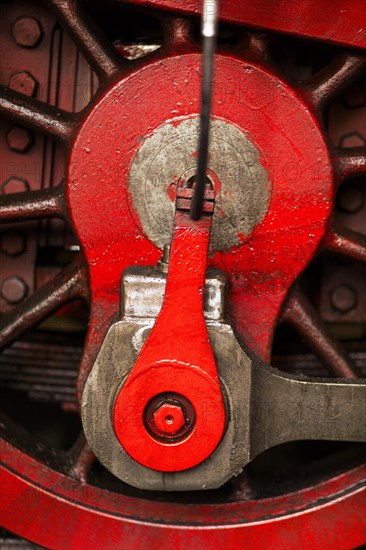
[{"x": 209, "y": 36}]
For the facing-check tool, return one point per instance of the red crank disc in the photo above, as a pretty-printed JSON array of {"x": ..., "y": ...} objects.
[
  {"x": 195, "y": 385},
  {"x": 291, "y": 149}
]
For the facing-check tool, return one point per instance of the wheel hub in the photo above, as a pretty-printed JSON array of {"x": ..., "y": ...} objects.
[
  {"x": 242, "y": 186},
  {"x": 129, "y": 175},
  {"x": 290, "y": 178}
]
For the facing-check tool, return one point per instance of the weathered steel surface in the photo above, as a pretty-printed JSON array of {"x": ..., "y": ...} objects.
[{"x": 264, "y": 406}]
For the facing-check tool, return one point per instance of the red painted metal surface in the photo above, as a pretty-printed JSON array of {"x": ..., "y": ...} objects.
[
  {"x": 294, "y": 153},
  {"x": 330, "y": 515},
  {"x": 341, "y": 22},
  {"x": 82, "y": 516},
  {"x": 177, "y": 356}
]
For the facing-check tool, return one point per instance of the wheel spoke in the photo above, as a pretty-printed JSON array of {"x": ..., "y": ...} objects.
[
  {"x": 103, "y": 311},
  {"x": 36, "y": 115},
  {"x": 349, "y": 163},
  {"x": 82, "y": 458},
  {"x": 346, "y": 242},
  {"x": 69, "y": 284},
  {"x": 44, "y": 203},
  {"x": 333, "y": 79},
  {"x": 258, "y": 45},
  {"x": 178, "y": 32},
  {"x": 301, "y": 315},
  {"x": 96, "y": 47}
]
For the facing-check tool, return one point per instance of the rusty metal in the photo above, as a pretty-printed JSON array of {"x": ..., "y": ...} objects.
[
  {"x": 14, "y": 289},
  {"x": 349, "y": 163},
  {"x": 42, "y": 368},
  {"x": 351, "y": 200},
  {"x": 24, "y": 83},
  {"x": 19, "y": 139},
  {"x": 100, "y": 53},
  {"x": 299, "y": 312},
  {"x": 346, "y": 242},
  {"x": 36, "y": 115},
  {"x": 343, "y": 295},
  {"x": 26, "y": 31},
  {"x": 334, "y": 78},
  {"x": 14, "y": 185},
  {"x": 82, "y": 459},
  {"x": 12, "y": 242},
  {"x": 68, "y": 285},
  {"x": 343, "y": 298},
  {"x": 44, "y": 203}
]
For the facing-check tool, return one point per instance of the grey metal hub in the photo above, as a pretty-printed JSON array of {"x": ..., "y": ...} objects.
[
  {"x": 142, "y": 296},
  {"x": 242, "y": 197},
  {"x": 265, "y": 407}
]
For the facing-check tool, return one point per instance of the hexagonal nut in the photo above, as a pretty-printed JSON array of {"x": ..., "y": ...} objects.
[
  {"x": 352, "y": 140},
  {"x": 19, "y": 139},
  {"x": 24, "y": 83},
  {"x": 26, "y": 31},
  {"x": 350, "y": 199},
  {"x": 169, "y": 418},
  {"x": 14, "y": 289},
  {"x": 12, "y": 243},
  {"x": 355, "y": 96},
  {"x": 343, "y": 298},
  {"x": 15, "y": 185}
]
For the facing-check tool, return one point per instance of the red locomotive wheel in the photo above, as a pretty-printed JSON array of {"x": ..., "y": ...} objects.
[{"x": 122, "y": 150}]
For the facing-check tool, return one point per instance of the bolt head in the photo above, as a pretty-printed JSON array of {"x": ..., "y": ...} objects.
[
  {"x": 15, "y": 185},
  {"x": 26, "y": 31},
  {"x": 343, "y": 298},
  {"x": 24, "y": 83},
  {"x": 19, "y": 139},
  {"x": 169, "y": 418},
  {"x": 14, "y": 290},
  {"x": 12, "y": 243},
  {"x": 352, "y": 140}
]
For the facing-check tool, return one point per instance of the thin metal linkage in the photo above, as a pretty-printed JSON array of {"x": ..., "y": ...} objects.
[{"x": 209, "y": 32}]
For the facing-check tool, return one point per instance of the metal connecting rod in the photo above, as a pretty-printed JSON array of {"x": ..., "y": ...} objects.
[{"x": 209, "y": 35}]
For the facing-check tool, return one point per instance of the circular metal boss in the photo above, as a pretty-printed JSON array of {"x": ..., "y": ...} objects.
[{"x": 243, "y": 195}]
